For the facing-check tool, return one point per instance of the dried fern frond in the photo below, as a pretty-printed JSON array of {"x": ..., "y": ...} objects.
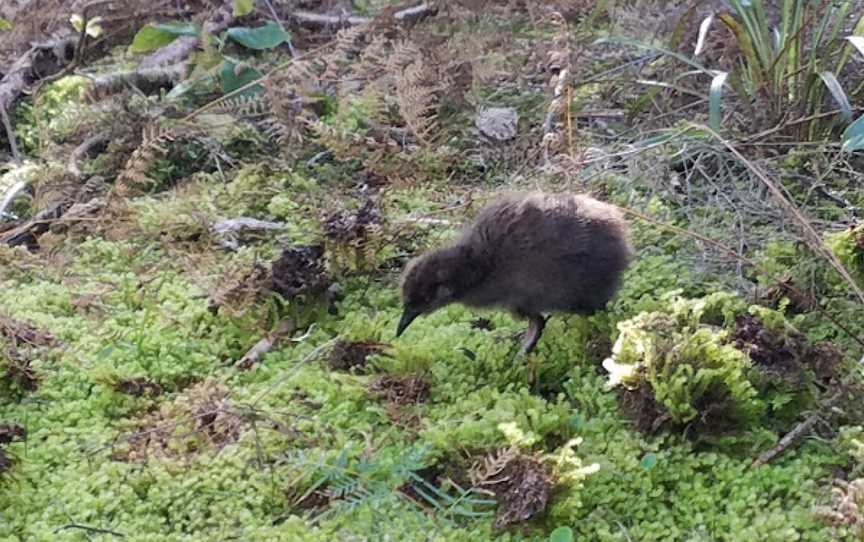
[
  {"x": 292, "y": 96},
  {"x": 238, "y": 289},
  {"x": 419, "y": 87},
  {"x": 244, "y": 106},
  {"x": 154, "y": 140},
  {"x": 485, "y": 472},
  {"x": 350, "y": 43}
]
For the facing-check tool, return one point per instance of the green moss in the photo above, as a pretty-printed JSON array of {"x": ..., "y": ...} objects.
[
  {"x": 55, "y": 111},
  {"x": 303, "y": 422},
  {"x": 848, "y": 245},
  {"x": 700, "y": 377}
]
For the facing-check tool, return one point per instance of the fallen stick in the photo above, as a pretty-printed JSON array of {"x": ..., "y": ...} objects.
[
  {"x": 147, "y": 80},
  {"x": 319, "y": 20},
  {"x": 72, "y": 166},
  {"x": 799, "y": 431},
  {"x": 250, "y": 358}
]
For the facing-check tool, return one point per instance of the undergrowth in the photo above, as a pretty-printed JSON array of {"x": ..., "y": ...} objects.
[{"x": 130, "y": 405}]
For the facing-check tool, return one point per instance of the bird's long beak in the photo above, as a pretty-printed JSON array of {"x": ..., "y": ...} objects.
[{"x": 408, "y": 316}]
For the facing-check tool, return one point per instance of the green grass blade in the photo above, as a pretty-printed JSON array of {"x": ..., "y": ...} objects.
[
  {"x": 831, "y": 24},
  {"x": 620, "y": 40},
  {"x": 853, "y": 136},
  {"x": 751, "y": 58},
  {"x": 756, "y": 31},
  {"x": 670, "y": 86},
  {"x": 715, "y": 95},
  {"x": 857, "y": 42},
  {"x": 839, "y": 94}
]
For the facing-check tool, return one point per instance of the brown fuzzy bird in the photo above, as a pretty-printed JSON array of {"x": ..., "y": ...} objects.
[{"x": 531, "y": 253}]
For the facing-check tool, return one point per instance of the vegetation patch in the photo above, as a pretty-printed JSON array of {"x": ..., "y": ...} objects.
[
  {"x": 402, "y": 389},
  {"x": 9, "y": 432},
  {"x": 351, "y": 355},
  {"x": 522, "y": 489},
  {"x": 300, "y": 270},
  {"x": 786, "y": 354},
  {"x": 138, "y": 387},
  {"x": 174, "y": 224},
  {"x": 201, "y": 419},
  {"x": 711, "y": 368}
]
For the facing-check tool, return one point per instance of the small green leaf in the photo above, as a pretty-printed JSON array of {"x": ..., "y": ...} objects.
[
  {"x": 853, "y": 136},
  {"x": 233, "y": 77},
  {"x": 94, "y": 27},
  {"x": 263, "y": 37},
  {"x": 5, "y": 24},
  {"x": 77, "y": 22},
  {"x": 839, "y": 95},
  {"x": 243, "y": 7},
  {"x": 857, "y": 42},
  {"x": 561, "y": 534},
  {"x": 154, "y": 36},
  {"x": 714, "y": 98},
  {"x": 648, "y": 461},
  {"x": 178, "y": 29}
]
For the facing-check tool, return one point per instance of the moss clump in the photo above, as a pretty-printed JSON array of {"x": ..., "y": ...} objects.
[
  {"x": 848, "y": 245},
  {"x": 706, "y": 364}
]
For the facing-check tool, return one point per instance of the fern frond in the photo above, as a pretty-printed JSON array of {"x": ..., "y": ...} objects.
[
  {"x": 155, "y": 139},
  {"x": 244, "y": 106},
  {"x": 484, "y": 473},
  {"x": 418, "y": 89}
]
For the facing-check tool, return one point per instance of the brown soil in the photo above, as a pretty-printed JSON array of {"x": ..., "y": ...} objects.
[
  {"x": 522, "y": 493},
  {"x": 400, "y": 394},
  {"x": 10, "y": 432},
  {"x": 300, "y": 270},
  {"x": 784, "y": 355},
  {"x": 5, "y": 462},
  {"x": 138, "y": 387},
  {"x": 640, "y": 406},
  {"x": 351, "y": 356},
  {"x": 402, "y": 390},
  {"x": 200, "y": 419}
]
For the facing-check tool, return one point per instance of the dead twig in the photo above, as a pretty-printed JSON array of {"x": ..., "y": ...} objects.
[
  {"x": 799, "y": 431},
  {"x": 72, "y": 166},
  {"x": 811, "y": 236},
  {"x": 318, "y": 20},
  {"x": 146, "y": 79},
  {"x": 250, "y": 358}
]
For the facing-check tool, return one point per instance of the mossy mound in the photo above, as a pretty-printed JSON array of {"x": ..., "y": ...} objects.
[{"x": 715, "y": 366}]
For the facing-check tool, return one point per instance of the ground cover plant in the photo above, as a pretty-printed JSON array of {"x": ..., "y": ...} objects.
[{"x": 205, "y": 208}]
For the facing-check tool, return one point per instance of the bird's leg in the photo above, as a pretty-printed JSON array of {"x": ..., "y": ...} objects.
[{"x": 536, "y": 323}]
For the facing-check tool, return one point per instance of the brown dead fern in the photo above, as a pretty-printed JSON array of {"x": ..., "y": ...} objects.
[
  {"x": 419, "y": 88},
  {"x": 237, "y": 289},
  {"x": 155, "y": 139}
]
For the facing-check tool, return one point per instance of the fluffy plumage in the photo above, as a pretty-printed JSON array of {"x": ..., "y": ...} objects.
[{"x": 531, "y": 253}]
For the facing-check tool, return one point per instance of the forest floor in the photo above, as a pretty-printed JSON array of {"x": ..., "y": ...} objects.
[{"x": 200, "y": 279}]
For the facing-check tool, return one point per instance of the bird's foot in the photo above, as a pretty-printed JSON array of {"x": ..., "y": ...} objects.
[{"x": 532, "y": 334}]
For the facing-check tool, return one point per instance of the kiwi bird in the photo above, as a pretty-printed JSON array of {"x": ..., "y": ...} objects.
[{"x": 530, "y": 253}]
